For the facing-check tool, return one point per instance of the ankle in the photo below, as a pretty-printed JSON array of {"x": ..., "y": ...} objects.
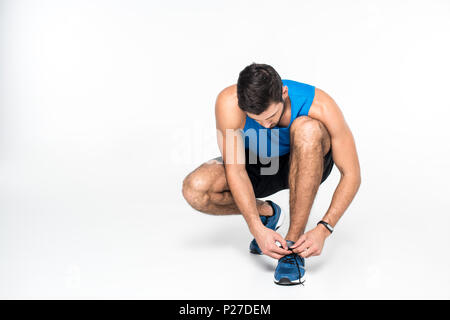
[
  {"x": 266, "y": 209},
  {"x": 293, "y": 236}
]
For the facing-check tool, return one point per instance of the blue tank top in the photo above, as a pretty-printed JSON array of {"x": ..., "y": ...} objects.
[{"x": 276, "y": 142}]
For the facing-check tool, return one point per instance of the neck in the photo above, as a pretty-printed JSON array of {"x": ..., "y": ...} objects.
[{"x": 286, "y": 116}]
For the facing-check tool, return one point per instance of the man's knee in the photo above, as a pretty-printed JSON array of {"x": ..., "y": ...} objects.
[
  {"x": 195, "y": 189},
  {"x": 306, "y": 131}
]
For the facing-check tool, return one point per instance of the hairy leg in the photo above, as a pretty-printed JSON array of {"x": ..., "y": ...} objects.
[
  {"x": 206, "y": 190},
  {"x": 310, "y": 141}
]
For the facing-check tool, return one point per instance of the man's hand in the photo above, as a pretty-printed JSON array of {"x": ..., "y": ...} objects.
[
  {"x": 311, "y": 243},
  {"x": 267, "y": 238}
]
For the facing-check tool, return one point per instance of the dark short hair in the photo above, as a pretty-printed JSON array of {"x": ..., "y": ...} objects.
[{"x": 258, "y": 86}]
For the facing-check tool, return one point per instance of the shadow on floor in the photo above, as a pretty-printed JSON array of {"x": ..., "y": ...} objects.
[{"x": 229, "y": 234}]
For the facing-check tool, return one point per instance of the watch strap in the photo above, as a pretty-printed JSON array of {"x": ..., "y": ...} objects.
[{"x": 330, "y": 228}]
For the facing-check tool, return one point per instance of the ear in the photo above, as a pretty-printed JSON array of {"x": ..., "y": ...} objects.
[{"x": 285, "y": 92}]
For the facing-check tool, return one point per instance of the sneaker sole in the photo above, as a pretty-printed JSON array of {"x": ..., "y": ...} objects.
[
  {"x": 287, "y": 282},
  {"x": 256, "y": 252}
]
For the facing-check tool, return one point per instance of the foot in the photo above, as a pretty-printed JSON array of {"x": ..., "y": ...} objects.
[
  {"x": 272, "y": 222},
  {"x": 290, "y": 269}
]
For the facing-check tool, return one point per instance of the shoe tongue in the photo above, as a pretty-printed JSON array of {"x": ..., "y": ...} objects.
[{"x": 290, "y": 243}]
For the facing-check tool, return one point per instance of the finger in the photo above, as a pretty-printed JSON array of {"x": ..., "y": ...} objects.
[
  {"x": 299, "y": 242},
  {"x": 279, "y": 250},
  {"x": 304, "y": 253},
  {"x": 303, "y": 246},
  {"x": 282, "y": 241},
  {"x": 309, "y": 252}
]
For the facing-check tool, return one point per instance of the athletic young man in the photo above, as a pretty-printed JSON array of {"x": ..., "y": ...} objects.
[{"x": 277, "y": 134}]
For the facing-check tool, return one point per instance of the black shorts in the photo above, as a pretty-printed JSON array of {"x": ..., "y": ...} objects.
[{"x": 266, "y": 185}]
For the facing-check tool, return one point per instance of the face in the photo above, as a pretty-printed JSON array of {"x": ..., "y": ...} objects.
[{"x": 270, "y": 117}]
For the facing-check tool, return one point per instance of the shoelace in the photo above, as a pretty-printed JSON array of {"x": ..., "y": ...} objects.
[{"x": 292, "y": 259}]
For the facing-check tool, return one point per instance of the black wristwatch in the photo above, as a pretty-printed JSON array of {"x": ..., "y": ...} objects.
[{"x": 330, "y": 228}]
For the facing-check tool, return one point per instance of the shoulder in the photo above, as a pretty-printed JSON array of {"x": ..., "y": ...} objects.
[
  {"x": 228, "y": 96},
  {"x": 322, "y": 103},
  {"x": 228, "y": 113}
]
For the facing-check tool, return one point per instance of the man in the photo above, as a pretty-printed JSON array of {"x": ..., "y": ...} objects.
[{"x": 295, "y": 132}]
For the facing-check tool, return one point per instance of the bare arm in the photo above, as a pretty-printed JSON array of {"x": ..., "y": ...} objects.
[
  {"x": 344, "y": 155},
  {"x": 229, "y": 121}
]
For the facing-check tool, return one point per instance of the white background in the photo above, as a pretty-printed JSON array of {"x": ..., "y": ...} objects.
[{"x": 107, "y": 105}]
